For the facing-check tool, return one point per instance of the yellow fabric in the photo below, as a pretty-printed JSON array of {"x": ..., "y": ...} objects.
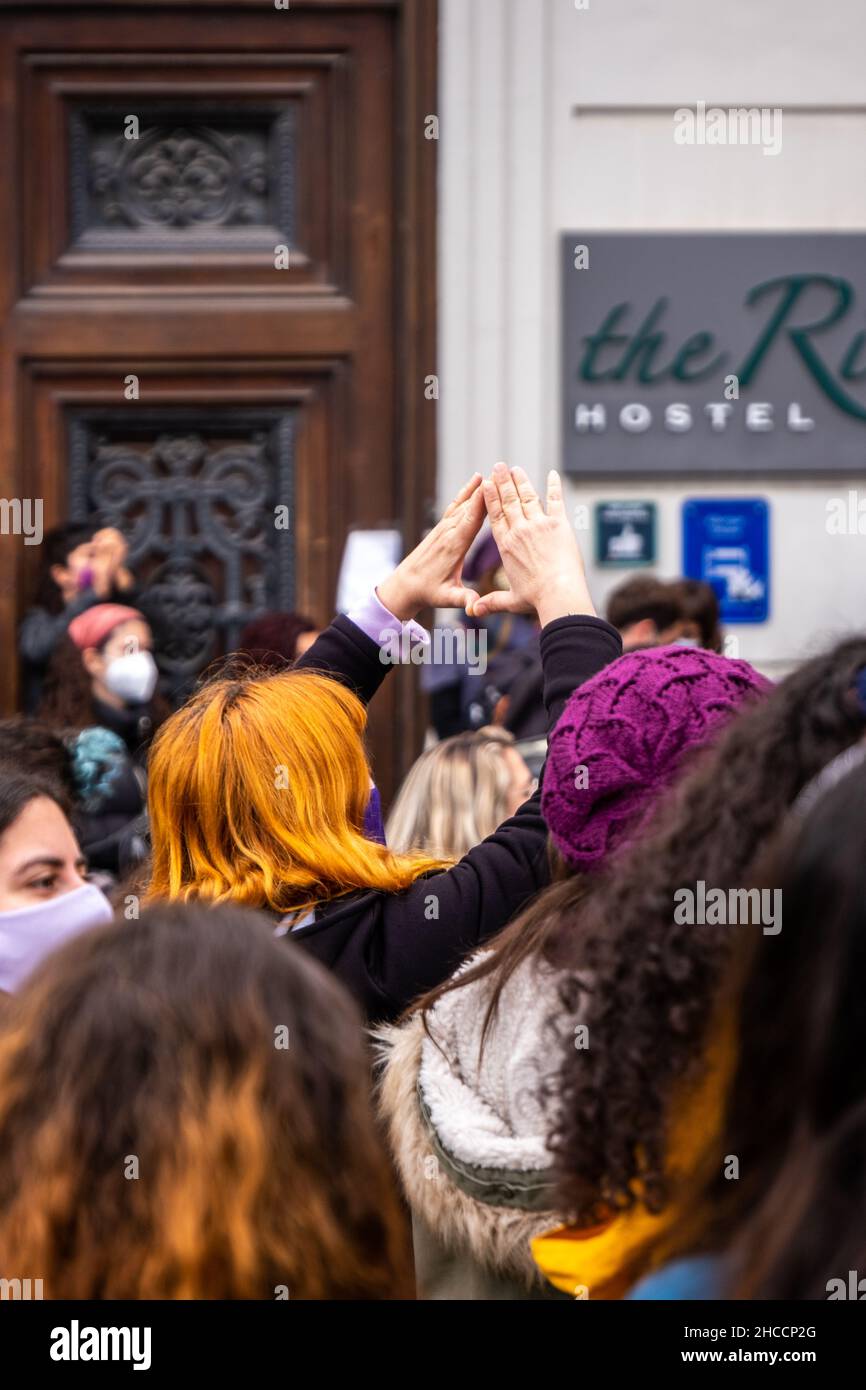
[{"x": 605, "y": 1261}]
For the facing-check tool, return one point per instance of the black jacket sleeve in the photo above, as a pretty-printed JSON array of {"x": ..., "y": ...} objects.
[
  {"x": 40, "y": 630},
  {"x": 389, "y": 948},
  {"x": 348, "y": 655}
]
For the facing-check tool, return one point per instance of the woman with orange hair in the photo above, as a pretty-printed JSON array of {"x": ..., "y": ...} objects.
[
  {"x": 185, "y": 1113},
  {"x": 258, "y": 786}
]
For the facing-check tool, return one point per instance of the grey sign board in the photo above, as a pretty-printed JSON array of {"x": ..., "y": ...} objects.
[{"x": 713, "y": 354}]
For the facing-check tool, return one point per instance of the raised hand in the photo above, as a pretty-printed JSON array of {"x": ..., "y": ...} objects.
[
  {"x": 431, "y": 575},
  {"x": 111, "y": 548},
  {"x": 539, "y": 550}
]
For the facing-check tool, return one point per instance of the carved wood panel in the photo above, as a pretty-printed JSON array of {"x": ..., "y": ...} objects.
[{"x": 162, "y": 157}]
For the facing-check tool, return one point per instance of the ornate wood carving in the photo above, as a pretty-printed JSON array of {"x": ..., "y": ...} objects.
[{"x": 186, "y": 172}]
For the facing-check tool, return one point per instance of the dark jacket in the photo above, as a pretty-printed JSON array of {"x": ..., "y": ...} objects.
[
  {"x": 41, "y": 631},
  {"x": 133, "y": 723},
  {"x": 390, "y": 947}
]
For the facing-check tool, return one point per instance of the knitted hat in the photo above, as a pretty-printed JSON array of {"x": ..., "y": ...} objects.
[
  {"x": 623, "y": 736},
  {"x": 91, "y": 627}
]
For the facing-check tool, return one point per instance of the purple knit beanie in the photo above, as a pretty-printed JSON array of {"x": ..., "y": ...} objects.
[{"x": 624, "y": 734}]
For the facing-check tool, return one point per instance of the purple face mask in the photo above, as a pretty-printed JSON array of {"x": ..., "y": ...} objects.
[
  {"x": 374, "y": 826},
  {"x": 29, "y": 934}
]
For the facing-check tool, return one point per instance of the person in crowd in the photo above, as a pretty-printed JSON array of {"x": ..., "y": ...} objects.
[
  {"x": 700, "y": 611},
  {"x": 27, "y": 745},
  {"x": 792, "y": 1226},
  {"x": 44, "y": 896},
  {"x": 466, "y": 1083},
  {"x": 103, "y": 672},
  {"x": 457, "y": 793},
  {"x": 185, "y": 1114},
  {"x": 468, "y": 694},
  {"x": 96, "y": 774},
  {"x": 258, "y": 786},
  {"x": 646, "y": 612},
  {"x": 82, "y": 565},
  {"x": 276, "y": 640},
  {"x": 640, "y": 1106}
]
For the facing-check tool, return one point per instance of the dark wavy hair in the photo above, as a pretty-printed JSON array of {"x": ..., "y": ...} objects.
[
  {"x": 231, "y": 1066},
  {"x": 26, "y": 745},
  {"x": 67, "y": 697},
  {"x": 797, "y": 1111},
  {"x": 18, "y": 788},
  {"x": 648, "y": 986}
]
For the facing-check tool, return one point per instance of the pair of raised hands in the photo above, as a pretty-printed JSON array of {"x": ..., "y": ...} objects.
[{"x": 539, "y": 551}]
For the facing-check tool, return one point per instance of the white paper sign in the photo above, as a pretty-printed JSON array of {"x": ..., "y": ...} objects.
[{"x": 368, "y": 558}]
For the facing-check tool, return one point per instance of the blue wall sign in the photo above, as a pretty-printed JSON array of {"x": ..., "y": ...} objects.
[{"x": 726, "y": 541}]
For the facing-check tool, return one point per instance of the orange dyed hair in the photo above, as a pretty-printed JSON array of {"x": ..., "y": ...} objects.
[{"x": 257, "y": 789}]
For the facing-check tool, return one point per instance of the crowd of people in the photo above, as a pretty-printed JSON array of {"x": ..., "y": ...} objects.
[{"x": 576, "y": 1025}]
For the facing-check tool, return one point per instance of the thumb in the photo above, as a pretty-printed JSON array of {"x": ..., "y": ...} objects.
[
  {"x": 456, "y": 596},
  {"x": 497, "y": 601}
]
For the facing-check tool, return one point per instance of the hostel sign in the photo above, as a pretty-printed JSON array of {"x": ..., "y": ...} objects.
[{"x": 713, "y": 354}]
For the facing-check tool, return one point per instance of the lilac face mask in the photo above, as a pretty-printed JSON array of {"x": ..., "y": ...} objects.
[
  {"x": 374, "y": 826},
  {"x": 29, "y": 934}
]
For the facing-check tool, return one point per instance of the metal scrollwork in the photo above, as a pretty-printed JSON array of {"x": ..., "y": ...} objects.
[{"x": 198, "y": 511}]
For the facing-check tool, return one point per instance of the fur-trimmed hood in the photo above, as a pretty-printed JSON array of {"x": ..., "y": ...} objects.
[{"x": 467, "y": 1127}]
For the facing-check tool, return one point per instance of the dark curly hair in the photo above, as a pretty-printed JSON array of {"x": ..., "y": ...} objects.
[
  {"x": 797, "y": 1111},
  {"x": 648, "y": 985}
]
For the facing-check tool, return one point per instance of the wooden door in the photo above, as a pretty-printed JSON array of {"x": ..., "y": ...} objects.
[{"x": 217, "y": 292}]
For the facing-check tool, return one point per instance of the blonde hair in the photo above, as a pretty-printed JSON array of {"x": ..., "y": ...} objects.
[
  {"x": 256, "y": 791},
  {"x": 454, "y": 796}
]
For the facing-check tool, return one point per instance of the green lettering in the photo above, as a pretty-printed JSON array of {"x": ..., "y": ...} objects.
[
  {"x": 847, "y": 371},
  {"x": 694, "y": 346},
  {"x": 597, "y": 342},
  {"x": 645, "y": 344},
  {"x": 792, "y": 287}
]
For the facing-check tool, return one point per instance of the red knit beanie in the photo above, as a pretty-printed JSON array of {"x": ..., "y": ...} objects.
[{"x": 91, "y": 627}]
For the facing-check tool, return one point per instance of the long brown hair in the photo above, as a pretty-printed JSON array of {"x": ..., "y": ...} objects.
[
  {"x": 534, "y": 934},
  {"x": 67, "y": 697},
  {"x": 184, "y": 1113}
]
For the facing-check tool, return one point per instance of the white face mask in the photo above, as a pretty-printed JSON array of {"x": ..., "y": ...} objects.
[
  {"x": 29, "y": 934},
  {"x": 687, "y": 642},
  {"x": 132, "y": 678}
]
